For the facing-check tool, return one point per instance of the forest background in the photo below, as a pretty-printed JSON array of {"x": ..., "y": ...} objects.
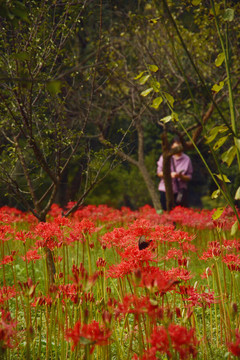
[{"x": 90, "y": 89}]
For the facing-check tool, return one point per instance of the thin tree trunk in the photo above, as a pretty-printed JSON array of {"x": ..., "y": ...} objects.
[
  {"x": 150, "y": 186},
  {"x": 167, "y": 172}
]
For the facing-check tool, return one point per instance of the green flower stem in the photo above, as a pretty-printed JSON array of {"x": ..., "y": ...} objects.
[{"x": 230, "y": 92}]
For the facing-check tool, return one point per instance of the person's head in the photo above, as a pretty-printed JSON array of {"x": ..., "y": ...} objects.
[{"x": 175, "y": 143}]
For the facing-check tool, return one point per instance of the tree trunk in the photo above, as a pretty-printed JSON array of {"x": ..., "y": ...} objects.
[
  {"x": 167, "y": 172},
  {"x": 150, "y": 186},
  {"x": 168, "y": 181}
]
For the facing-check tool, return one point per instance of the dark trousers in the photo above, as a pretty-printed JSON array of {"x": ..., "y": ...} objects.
[{"x": 183, "y": 203}]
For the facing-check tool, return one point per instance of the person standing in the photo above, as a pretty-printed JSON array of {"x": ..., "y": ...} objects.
[{"x": 181, "y": 174}]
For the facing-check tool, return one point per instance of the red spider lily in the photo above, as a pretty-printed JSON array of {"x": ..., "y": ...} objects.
[
  {"x": 178, "y": 273},
  {"x": 8, "y": 259},
  {"x": 5, "y": 231},
  {"x": 232, "y": 261},
  {"x": 195, "y": 298},
  {"x": 62, "y": 221},
  {"x": 101, "y": 262},
  {"x": 234, "y": 347},
  {"x": 8, "y": 332},
  {"x": 230, "y": 245},
  {"x": 135, "y": 259},
  {"x": 28, "y": 288},
  {"x": 207, "y": 273},
  {"x": 52, "y": 235},
  {"x": 22, "y": 236},
  {"x": 174, "y": 338},
  {"x": 69, "y": 291},
  {"x": 6, "y": 293},
  {"x": 188, "y": 247},
  {"x": 31, "y": 255},
  {"x": 158, "y": 280},
  {"x": 174, "y": 253},
  {"x": 214, "y": 250},
  {"x": 92, "y": 334},
  {"x": 132, "y": 304},
  {"x": 42, "y": 300}
]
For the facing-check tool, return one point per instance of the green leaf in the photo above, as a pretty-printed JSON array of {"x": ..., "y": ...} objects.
[
  {"x": 237, "y": 195},
  {"x": 217, "y": 10},
  {"x": 223, "y": 177},
  {"x": 237, "y": 142},
  {"x": 139, "y": 75},
  {"x": 220, "y": 142},
  {"x": 229, "y": 155},
  {"x": 196, "y": 2},
  {"x": 54, "y": 87},
  {"x": 217, "y": 213},
  {"x": 216, "y": 88},
  {"x": 166, "y": 119},
  {"x": 219, "y": 60},
  {"x": 155, "y": 85},
  {"x": 156, "y": 102},
  {"x": 228, "y": 14},
  {"x": 153, "y": 68},
  {"x": 169, "y": 98},
  {"x": 215, "y": 194},
  {"x": 144, "y": 79},
  {"x": 175, "y": 116},
  {"x": 22, "y": 56},
  {"x": 154, "y": 21},
  {"x": 234, "y": 228},
  {"x": 146, "y": 92},
  {"x": 214, "y": 132}
]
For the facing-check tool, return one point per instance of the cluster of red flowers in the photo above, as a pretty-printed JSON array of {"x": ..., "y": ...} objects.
[
  {"x": 171, "y": 340},
  {"x": 148, "y": 271},
  {"x": 8, "y": 333},
  {"x": 88, "y": 334}
]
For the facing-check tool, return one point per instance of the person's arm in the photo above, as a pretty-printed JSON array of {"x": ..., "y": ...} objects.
[
  {"x": 187, "y": 176},
  {"x": 183, "y": 177},
  {"x": 159, "y": 167}
]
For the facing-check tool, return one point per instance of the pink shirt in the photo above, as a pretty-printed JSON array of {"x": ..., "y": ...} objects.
[{"x": 182, "y": 164}]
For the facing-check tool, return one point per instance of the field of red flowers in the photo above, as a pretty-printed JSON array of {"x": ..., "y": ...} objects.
[{"x": 176, "y": 298}]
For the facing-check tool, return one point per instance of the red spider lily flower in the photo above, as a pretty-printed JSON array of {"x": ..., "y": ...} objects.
[
  {"x": 183, "y": 341},
  {"x": 62, "y": 221},
  {"x": 5, "y": 231},
  {"x": 132, "y": 304},
  {"x": 234, "y": 347},
  {"x": 69, "y": 291},
  {"x": 8, "y": 332},
  {"x": 31, "y": 255},
  {"x": 174, "y": 253},
  {"x": 214, "y": 250},
  {"x": 195, "y": 298},
  {"x": 51, "y": 234},
  {"x": 232, "y": 261},
  {"x": 42, "y": 300},
  {"x": 80, "y": 229},
  {"x": 101, "y": 262},
  {"x": 92, "y": 334},
  {"x": 179, "y": 273},
  {"x": 28, "y": 288},
  {"x": 157, "y": 280},
  {"x": 8, "y": 259},
  {"x": 188, "y": 247},
  {"x": 6, "y": 293},
  {"x": 230, "y": 245},
  {"x": 133, "y": 259},
  {"x": 207, "y": 273}
]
